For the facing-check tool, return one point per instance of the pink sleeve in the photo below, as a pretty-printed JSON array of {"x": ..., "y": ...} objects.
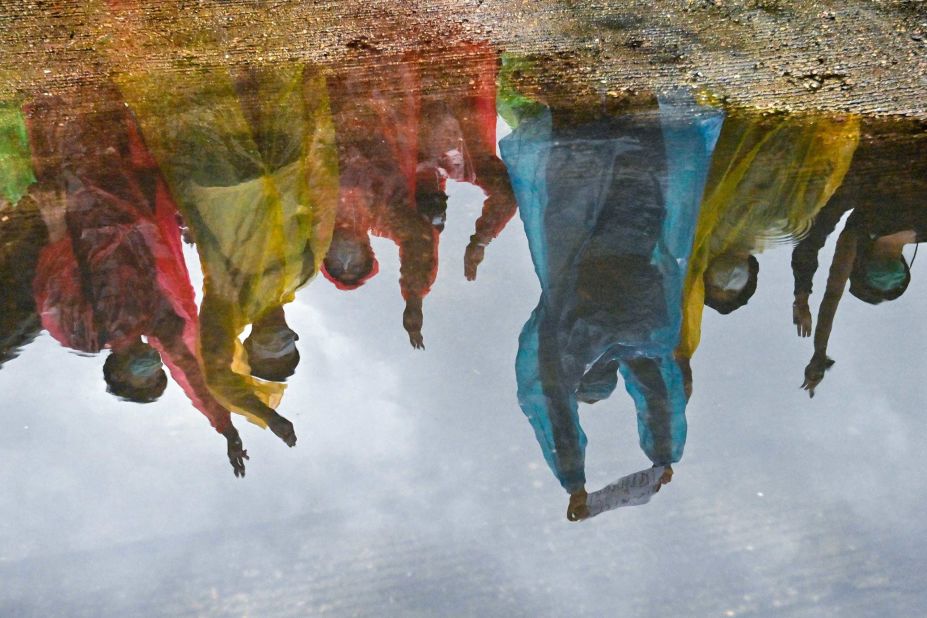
[{"x": 66, "y": 314}]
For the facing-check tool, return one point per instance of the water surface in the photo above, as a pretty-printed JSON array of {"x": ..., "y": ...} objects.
[{"x": 545, "y": 249}]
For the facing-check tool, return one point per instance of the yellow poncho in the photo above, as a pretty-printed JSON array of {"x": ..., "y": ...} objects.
[
  {"x": 769, "y": 178},
  {"x": 251, "y": 160}
]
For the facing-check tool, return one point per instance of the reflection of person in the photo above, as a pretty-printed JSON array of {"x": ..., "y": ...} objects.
[
  {"x": 112, "y": 275},
  {"x": 884, "y": 188},
  {"x": 769, "y": 177},
  {"x": 22, "y": 235},
  {"x": 250, "y": 157},
  {"x": 609, "y": 200},
  {"x": 376, "y": 115},
  {"x": 403, "y": 130},
  {"x": 457, "y": 141}
]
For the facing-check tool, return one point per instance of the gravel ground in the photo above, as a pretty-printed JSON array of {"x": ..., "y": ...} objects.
[{"x": 865, "y": 56}]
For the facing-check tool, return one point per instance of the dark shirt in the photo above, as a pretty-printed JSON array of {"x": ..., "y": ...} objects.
[{"x": 885, "y": 188}]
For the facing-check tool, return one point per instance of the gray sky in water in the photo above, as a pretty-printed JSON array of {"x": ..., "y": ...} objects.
[{"x": 417, "y": 487}]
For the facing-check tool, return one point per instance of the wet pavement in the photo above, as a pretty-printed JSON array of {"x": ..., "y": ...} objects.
[{"x": 452, "y": 325}]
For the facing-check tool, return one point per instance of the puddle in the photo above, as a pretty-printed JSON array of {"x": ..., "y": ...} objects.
[{"x": 434, "y": 274}]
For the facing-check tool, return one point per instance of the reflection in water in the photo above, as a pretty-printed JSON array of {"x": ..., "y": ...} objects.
[
  {"x": 639, "y": 210},
  {"x": 112, "y": 274},
  {"x": 402, "y": 132},
  {"x": 609, "y": 201},
  {"x": 769, "y": 178},
  {"x": 888, "y": 213},
  {"x": 249, "y": 155},
  {"x": 22, "y": 235}
]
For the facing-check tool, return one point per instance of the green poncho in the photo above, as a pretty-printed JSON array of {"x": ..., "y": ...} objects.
[{"x": 15, "y": 159}]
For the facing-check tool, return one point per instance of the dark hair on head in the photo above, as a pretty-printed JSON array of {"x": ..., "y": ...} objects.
[
  {"x": 273, "y": 369},
  {"x": 861, "y": 289},
  {"x": 345, "y": 281},
  {"x": 725, "y": 307},
  {"x": 114, "y": 373},
  {"x": 432, "y": 205}
]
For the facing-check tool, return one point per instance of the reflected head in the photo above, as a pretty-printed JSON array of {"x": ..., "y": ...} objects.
[
  {"x": 433, "y": 206},
  {"x": 876, "y": 279},
  {"x": 135, "y": 373},
  {"x": 272, "y": 352},
  {"x": 350, "y": 261},
  {"x": 730, "y": 282}
]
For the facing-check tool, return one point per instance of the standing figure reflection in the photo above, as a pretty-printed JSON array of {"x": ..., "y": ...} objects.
[
  {"x": 457, "y": 141},
  {"x": 609, "y": 199},
  {"x": 888, "y": 213},
  {"x": 250, "y": 156},
  {"x": 376, "y": 116},
  {"x": 112, "y": 274},
  {"x": 404, "y": 130},
  {"x": 770, "y": 175},
  {"x": 22, "y": 235}
]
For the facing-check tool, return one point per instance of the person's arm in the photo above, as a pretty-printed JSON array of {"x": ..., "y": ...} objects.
[
  {"x": 498, "y": 209},
  {"x": 418, "y": 265},
  {"x": 217, "y": 347},
  {"x": 477, "y": 116},
  {"x": 805, "y": 262},
  {"x": 188, "y": 373},
  {"x": 842, "y": 266}
]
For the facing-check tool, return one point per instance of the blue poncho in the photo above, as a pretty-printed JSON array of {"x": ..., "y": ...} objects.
[{"x": 609, "y": 204}]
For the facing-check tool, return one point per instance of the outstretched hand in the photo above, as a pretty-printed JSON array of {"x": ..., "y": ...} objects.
[
  {"x": 412, "y": 320},
  {"x": 473, "y": 257},
  {"x": 416, "y": 339},
  {"x": 801, "y": 318},
  {"x": 283, "y": 429},
  {"x": 814, "y": 372},
  {"x": 665, "y": 478},
  {"x": 577, "y": 510},
  {"x": 236, "y": 452}
]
